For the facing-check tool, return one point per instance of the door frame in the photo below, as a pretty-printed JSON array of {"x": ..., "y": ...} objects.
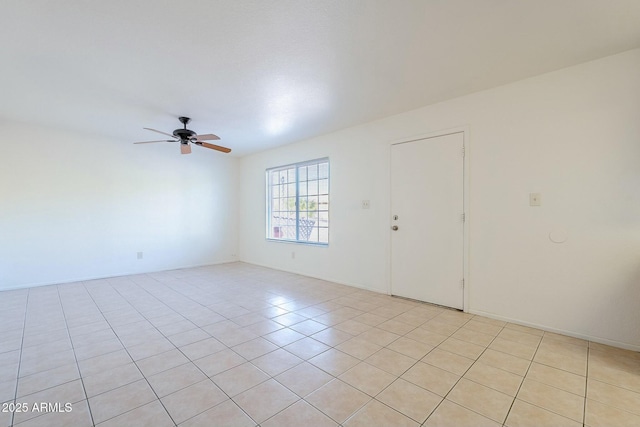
[{"x": 465, "y": 203}]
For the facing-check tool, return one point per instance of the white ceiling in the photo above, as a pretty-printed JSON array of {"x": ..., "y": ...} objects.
[{"x": 265, "y": 73}]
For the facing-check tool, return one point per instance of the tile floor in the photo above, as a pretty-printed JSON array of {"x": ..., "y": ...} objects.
[{"x": 240, "y": 345}]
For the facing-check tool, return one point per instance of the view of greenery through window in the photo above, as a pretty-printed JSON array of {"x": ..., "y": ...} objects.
[{"x": 298, "y": 202}]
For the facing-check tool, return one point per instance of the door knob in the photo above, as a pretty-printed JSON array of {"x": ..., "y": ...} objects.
[{"x": 394, "y": 228}]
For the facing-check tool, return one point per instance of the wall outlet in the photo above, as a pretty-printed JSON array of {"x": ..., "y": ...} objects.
[
  {"x": 366, "y": 204},
  {"x": 535, "y": 199},
  {"x": 293, "y": 255},
  {"x": 140, "y": 255}
]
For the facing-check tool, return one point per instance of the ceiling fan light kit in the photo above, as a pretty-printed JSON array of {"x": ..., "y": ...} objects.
[{"x": 186, "y": 136}]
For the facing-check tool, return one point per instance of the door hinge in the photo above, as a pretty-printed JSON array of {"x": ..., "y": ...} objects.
[
  {"x": 463, "y": 153},
  {"x": 462, "y": 284},
  {"x": 464, "y": 217}
]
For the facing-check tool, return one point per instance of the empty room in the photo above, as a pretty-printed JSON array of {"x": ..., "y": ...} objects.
[{"x": 320, "y": 213}]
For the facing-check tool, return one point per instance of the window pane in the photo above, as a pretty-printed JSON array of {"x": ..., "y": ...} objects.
[
  {"x": 297, "y": 208},
  {"x": 312, "y": 172},
  {"x": 313, "y": 188},
  {"x": 323, "y": 170},
  {"x": 323, "y": 186}
]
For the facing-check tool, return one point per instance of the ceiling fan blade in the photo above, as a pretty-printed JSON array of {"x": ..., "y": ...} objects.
[
  {"x": 160, "y": 140},
  {"x": 214, "y": 147},
  {"x": 185, "y": 148},
  {"x": 207, "y": 136},
  {"x": 159, "y": 131}
]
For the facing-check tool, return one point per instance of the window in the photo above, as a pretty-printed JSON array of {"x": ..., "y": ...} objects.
[{"x": 298, "y": 202}]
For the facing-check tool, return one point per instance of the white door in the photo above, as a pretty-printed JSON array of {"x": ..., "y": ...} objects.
[{"x": 427, "y": 240}]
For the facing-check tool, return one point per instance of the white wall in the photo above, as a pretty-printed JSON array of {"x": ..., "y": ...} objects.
[
  {"x": 572, "y": 135},
  {"x": 76, "y": 206}
]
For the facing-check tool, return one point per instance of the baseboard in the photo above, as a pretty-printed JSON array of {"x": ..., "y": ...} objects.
[
  {"x": 599, "y": 340},
  {"x": 109, "y": 276}
]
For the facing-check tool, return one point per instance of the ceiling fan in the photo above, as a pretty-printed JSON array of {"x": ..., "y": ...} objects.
[{"x": 186, "y": 137}]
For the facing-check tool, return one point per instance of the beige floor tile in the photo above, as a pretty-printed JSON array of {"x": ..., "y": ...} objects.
[
  {"x": 454, "y": 317},
  {"x": 483, "y": 400},
  {"x": 162, "y": 362},
  {"x": 239, "y": 379},
  {"x": 431, "y": 378},
  {"x": 513, "y": 335},
  {"x": 225, "y": 414},
  {"x": 8, "y": 390},
  {"x": 614, "y": 360},
  {"x": 558, "y": 378},
  {"x": 449, "y": 414},
  {"x": 306, "y": 348},
  {"x": 331, "y": 336},
  {"x": 367, "y": 378},
  {"x": 396, "y": 326},
  {"x": 448, "y": 361},
  {"x": 379, "y": 336},
  {"x": 193, "y": 400},
  {"x": 299, "y": 414},
  {"x": 289, "y": 319},
  {"x": 525, "y": 329},
  {"x": 334, "y": 362},
  {"x": 555, "y": 400},
  {"x": 370, "y": 319},
  {"x": 505, "y": 361},
  {"x": 150, "y": 348},
  {"x": 260, "y": 408},
  {"x": 426, "y": 337},
  {"x": 613, "y": 396},
  {"x": 410, "y": 400},
  {"x": 551, "y": 336},
  {"x": 462, "y": 348},
  {"x": 304, "y": 379},
  {"x": 352, "y": 327},
  {"x": 189, "y": 337},
  {"x": 600, "y": 415},
  {"x": 79, "y": 416},
  {"x": 474, "y": 337},
  {"x": 264, "y": 327},
  {"x": 111, "y": 379},
  {"x": 524, "y": 351},
  {"x": 174, "y": 379},
  {"x": 43, "y": 380},
  {"x": 51, "y": 361},
  {"x": 615, "y": 377},
  {"x": 573, "y": 364},
  {"x": 376, "y": 414},
  {"x": 338, "y": 400},
  {"x": 276, "y": 362},
  {"x": 284, "y": 336},
  {"x": 440, "y": 327},
  {"x": 120, "y": 400},
  {"x": 202, "y": 348},
  {"x": 358, "y": 347},
  {"x": 308, "y": 327},
  {"x": 524, "y": 414},
  {"x": 219, "y": 362},
  {"x": 494, "y": 378},
  {"x": 409, "y": 347},
  {"x": 479, "y": 326},
  {"x": 150, "y": 415},
  {"x": 391, "y": 361},
  {"x": 99, "y": 364},
  {"x": 254, "y": 348}
]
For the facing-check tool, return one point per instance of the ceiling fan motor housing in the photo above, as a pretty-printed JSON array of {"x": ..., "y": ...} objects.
[{"x": 185, "y": 135}]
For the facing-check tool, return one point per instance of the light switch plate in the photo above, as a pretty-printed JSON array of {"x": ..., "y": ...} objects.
[{"x": 535, "y": 199}]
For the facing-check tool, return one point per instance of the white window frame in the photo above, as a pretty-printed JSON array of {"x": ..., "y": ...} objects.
[{"x": 303, "y": 227}]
